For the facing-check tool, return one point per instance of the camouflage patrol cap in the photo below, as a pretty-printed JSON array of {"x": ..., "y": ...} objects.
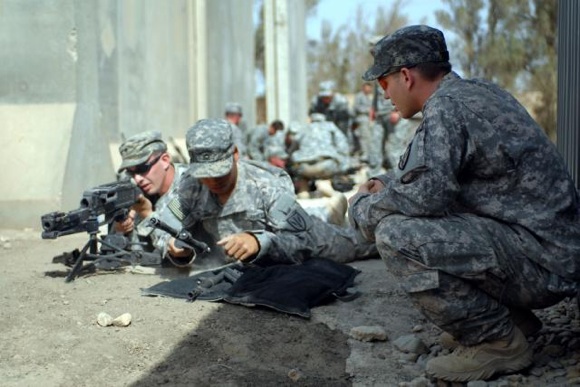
[
  {"x": 233, "y": 108},
  {"x": 407, "y": 47},
  {"x": 138, "y": 148},
  {"x": 326, "y": 89},
  {"x": 211, "y": 148}
]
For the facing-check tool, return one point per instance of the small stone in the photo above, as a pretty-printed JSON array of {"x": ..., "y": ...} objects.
[
  {"x": 477, "y": 383},
  {"x": 410, "y": 343},
  {"x": 417, "y": 328},
  {"x": 537, "y": 372},
  {"x": 295, "y": 374},
  {"x": 65, "y": 302},
  {"x": 104, "y": 319},
  {"x": 369, "y": 333},
  {"x": 421, "y": 381},
  {"x": 123, "y": 320}
]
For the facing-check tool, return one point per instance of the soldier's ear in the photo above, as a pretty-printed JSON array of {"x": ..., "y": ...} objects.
[{"x": 236, "y": 154}]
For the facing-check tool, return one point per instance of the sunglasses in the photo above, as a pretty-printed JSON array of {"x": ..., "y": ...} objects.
[{"x": 142, "y": 169}]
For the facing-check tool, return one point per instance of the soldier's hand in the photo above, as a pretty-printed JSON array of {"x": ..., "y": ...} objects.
[
  {"x": 240, "y": 246},
  {"x": 176, "y": 251},
  {"x": 375, "y": 186},
  {"x": 143, "y": 207},
  {"x": 371, "y": 186},
  {"x": 127, "y": 225},
  {"x": 394, "y": 117}
]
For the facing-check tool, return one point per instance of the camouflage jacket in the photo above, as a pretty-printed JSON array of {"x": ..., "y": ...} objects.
[
  {"x": 166, "y": 209},
  {"x": 256, "y": 142},
  {"x": 478, "y": 151},
  {"x": 263, "y": 203},
  {"x": 362, "y": 105},
  {"x": 321, "y": 140}
]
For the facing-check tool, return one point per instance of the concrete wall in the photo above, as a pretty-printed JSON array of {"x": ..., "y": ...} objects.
[
  {"x": 285, "y": 35},
  {"x": 77, "y": 75}
]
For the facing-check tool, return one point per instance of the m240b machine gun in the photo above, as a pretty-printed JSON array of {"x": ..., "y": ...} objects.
[{"x": 99, "y": 205}]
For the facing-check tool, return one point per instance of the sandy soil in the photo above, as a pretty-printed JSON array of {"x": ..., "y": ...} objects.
[{"x": 51, "y": 336}]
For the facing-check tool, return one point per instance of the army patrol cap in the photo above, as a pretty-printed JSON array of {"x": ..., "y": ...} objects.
[
  {"x": 326, "y": 89},
  {"x": 211, "y": 148},
  {"x": 137, "y": 149},
  {"x": 233, "y": 108},
  {"x": 407, "y": 47}
]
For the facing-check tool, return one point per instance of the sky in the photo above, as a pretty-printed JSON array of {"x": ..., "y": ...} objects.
[{"x": 339, "y": 12}]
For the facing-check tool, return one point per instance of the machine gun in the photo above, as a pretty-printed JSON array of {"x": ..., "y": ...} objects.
[{"x": 99, "y": 205}]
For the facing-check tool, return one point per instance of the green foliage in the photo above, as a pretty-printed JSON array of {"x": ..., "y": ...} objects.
[
  {"x": 342, "y": 53},
  {"x": 510, "y": 42}
]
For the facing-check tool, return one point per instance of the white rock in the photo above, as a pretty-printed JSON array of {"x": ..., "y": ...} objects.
[
  {"x": 104, "y": 319},
  {"x": 123, "y": 320},
  {"x": 295, "y": 374},
  {"x": 369, "y": 333}
]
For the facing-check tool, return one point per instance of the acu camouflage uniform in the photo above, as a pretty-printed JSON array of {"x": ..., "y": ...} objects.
[
  {"x": 137, "y": 150},
  {"x": 321, "y": 150},
  {"x": 481, "y": 214},
  {"x": 263, "y": 203},
  {"x": 166, "y": 209},
  {"x": 362, "y": 107},
  {"x": 336, "y": 111}
]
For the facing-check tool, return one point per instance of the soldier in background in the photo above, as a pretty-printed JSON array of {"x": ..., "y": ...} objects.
[
  {"x": 233, "y": 114},
  {"x": 363, "y": 102},
  {"x": 260, "y": 138},
  {"x": 403, "y": 133},
  {"x": 334, "y": 106}
]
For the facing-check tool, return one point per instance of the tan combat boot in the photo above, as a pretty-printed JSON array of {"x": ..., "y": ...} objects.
[
  {"x": 524, "y": 319},
  {"x": 482, "y": 361}
]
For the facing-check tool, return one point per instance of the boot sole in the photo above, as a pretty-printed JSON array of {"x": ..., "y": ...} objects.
[{"x": 501, "y": 365}]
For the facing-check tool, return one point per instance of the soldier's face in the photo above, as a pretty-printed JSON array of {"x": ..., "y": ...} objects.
[
  {"x": 223, "y": 186},
  {"x": 150, "y": 176},
  {"x": 326, "y": 100},
  {"x": 234, "y": 118},
  {"x": 398, "y": 87}
]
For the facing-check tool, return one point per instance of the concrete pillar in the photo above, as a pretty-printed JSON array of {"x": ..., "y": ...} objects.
[
  {"x": 285, "y": 35},
  {"x": 230, "y": 58}
]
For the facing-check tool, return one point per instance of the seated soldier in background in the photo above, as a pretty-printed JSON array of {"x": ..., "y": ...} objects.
[
  {"x": 261, "y": 136},
  {"x": 233, "y": 114},
  {"x": 249, "y": 211},
  {"x": 403, "y": 133},
  {"x": 146, "y": 161}
]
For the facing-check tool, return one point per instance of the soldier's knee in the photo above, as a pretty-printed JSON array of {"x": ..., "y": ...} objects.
[{"x": 393, "y": 234}]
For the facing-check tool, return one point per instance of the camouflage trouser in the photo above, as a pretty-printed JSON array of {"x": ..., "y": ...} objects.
[
  {"x": 340, "y": 244},
  {"x": 463, "y": 272},
  {"x": 363, "y": 137}
]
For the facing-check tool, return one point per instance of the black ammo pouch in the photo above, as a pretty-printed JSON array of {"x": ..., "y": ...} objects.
[{"x": 292, "y": 289}]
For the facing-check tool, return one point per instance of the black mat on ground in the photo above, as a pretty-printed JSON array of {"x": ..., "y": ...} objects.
[{"x": 292, "y": 289}]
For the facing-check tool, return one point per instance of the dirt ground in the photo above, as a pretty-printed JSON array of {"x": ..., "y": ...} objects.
[{"x": 51, "y": 336}]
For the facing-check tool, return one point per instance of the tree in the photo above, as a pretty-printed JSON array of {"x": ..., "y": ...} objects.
[
  {"x": 515, "y": 47},
  {"x": 342, "y": 54}
]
